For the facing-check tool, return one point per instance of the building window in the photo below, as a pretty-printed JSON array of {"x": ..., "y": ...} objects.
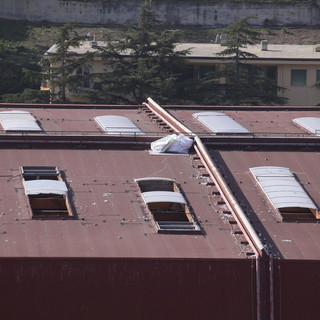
[
  {"x": 167, "y": 205},
  {"x": 47, "y": 192},
  {"x": 318, "y": 76},
  {"x": 84, "y": 74},
  {"x": 298, "y": 77}
]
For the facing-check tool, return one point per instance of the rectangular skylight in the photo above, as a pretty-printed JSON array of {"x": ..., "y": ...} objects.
[
  {"x": 285, "y": 192},
  {"x": 118, "y": 125},
  {"x": 167, "y": 205},
  {"x": 18, "y": 121},
  {"x": 47, "y": 192},
  {"x": 312, "y": 124},
  {"x": 220, "y": 123}
]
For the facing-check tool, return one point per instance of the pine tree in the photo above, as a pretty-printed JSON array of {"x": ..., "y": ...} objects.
[
  {"x": 60, "y": 65},
  {"x": 142, "y": 62},
  {"x": 245, "y": 82}
]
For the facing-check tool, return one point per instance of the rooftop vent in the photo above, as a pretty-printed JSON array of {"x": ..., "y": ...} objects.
[
  {"x": 317, "y": 48},
  {"x": 264, "y": 45}
]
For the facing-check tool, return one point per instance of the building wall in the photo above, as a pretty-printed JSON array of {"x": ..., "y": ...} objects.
[
  {"x": 172, "y": 13},
  {"x": 296, "y": 284},
  {"x": 157, "y": 289},
  {"x": 299, "y": 95}
]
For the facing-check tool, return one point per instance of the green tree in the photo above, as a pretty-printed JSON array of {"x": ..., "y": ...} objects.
[
  {"x": 60, "y": 64},
  {"x": 14, "y": 60},
  {"x": 245, "y": 83},
  {"x": 142, "y": 62}
]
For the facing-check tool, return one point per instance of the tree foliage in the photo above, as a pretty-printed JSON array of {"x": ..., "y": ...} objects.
[
  {"x": 245, "y": 83},
  {"x": 60, "y": 65},
  {"x": 142, "y": 62},
  {"x": 14, "y": 60}
]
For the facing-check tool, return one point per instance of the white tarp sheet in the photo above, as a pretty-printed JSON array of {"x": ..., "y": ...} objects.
[{"x": 172, "y": 144}]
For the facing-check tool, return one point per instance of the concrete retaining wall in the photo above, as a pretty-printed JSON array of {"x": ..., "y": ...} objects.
[{"x": 171, "y": 13}]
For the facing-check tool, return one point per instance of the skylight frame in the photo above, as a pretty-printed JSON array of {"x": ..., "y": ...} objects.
[
  {"x": 168, "y": 207},
  {"x": 47, "y": 192},
  {"x": 285, "y": 193},
  {"x": 220, "y": 123},
  {"x": 311, "y": 124},
  {"x": 118, "y": 125},
  {"x": 17, "y": 120}
]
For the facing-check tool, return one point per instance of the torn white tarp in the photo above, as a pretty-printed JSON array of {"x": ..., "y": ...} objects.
[{"x": 173, "y": 144}]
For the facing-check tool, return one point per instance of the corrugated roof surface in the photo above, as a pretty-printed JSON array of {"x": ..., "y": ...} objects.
[
  {"x": 294, "y": 240},
  {"x": 111, "y": 213}
]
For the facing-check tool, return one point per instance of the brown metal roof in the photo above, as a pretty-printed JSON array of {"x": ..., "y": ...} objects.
[
  {"x": 81, "y": 120},
  {"x": 294, "y": 239},
  {"x": 110, "y": 220},
  {"x": 271, "y": 122}
]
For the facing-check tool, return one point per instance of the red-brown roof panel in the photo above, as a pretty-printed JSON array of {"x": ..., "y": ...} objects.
[
  {"x": 111, "y": 219},
  {"x": 260, "y": 122},
  {"x": 296, "y": 239},
  {"x": 82, "y": 120}
]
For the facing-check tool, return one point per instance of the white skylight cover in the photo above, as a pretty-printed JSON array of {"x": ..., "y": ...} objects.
[
  {"x": 118, "y": 125},
  {"x": 219, "y": 122},
  {"x": 163, "y": 196},
  {"x": 153, "y": 179},
  {"x": 18, "y": 121},
  {"x": 42, "y": 186},
  {"x": 312, "y": 124},
  {"x": 282, "y": 188}
]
